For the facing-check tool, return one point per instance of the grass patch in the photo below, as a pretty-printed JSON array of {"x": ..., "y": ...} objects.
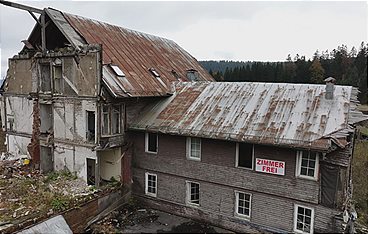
[{"x": 360, "y": 192}]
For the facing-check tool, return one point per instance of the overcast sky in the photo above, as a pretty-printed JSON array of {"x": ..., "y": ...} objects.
[{"x": 246, "y": 31}]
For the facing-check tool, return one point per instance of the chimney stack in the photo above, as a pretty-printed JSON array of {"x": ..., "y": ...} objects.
[{"x": 330, "y": 87}]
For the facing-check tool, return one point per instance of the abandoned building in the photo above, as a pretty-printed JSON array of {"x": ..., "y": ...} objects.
[{"x": 108, "y": 102}]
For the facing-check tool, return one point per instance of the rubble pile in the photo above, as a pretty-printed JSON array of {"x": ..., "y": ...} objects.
[{"x": 26, "y": 193}]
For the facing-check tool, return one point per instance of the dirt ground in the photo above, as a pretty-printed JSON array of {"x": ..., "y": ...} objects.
[{"x": 133, "y": 219}]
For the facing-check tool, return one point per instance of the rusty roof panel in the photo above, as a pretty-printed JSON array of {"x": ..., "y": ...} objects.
[
  {"x": 135, "y": 53},
  {"x": 270, "y": 113}
]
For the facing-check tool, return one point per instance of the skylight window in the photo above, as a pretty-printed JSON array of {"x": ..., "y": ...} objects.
[
  {"x": 117, "y": 70},
  {"x": 154, "y": 72}
]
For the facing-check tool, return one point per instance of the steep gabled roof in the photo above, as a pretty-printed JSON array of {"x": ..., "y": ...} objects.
[
  {"x": 149, "y": 64},
  {"x": 135, "y": 53},
  {"x": 293, "y": 115}
]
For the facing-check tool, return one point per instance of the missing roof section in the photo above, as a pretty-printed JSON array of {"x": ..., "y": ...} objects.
[
  {"x": 154, "y": 72},
  {"x": 117, "y": 70}
]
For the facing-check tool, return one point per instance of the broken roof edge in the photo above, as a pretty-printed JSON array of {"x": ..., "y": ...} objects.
[{"x": 315, "y": 145}]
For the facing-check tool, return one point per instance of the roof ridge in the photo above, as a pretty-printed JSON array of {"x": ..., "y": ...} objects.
[{"x": 114, "y": 25}]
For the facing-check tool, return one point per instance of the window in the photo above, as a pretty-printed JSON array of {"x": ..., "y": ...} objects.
[
  {"x": 58, "y": 81},
  {"x": 194, "y": 148},
  {"x": 151, "y": 142},
  {"x": 307, "y": 164},
  {"x": 117, "y": 70},
  {"x": 105, "y": 121},
  {"x": 151, "y": 184},
  {"x": 192, "y": 193},
  {"x": 242, "y": 206},
  {"x": 45, "y": 77},
  {"x": 244, "y": 155},
  {"x": 115, "y": 120},
  {"x": 90, "y": 134},
  {"x": 10, "y": 123},
  {"x": 303, "y": 219}
]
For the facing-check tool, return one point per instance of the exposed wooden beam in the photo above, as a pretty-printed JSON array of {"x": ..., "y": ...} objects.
[
  {"x": 22, "y": 7},
  {"x": 35, "y": 18}
]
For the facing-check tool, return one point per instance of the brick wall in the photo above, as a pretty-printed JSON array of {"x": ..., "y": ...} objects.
[{"x": 273, "y": 196}]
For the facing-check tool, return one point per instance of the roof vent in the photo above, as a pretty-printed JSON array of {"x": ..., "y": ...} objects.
[
  {"x": 154, "y": 72},
  {"x": 117, "y": 70},
  {"x": 330, "y": 87},
  {"x": 192, "y": 75}
]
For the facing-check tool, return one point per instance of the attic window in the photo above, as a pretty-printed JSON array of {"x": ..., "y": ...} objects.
[
  {"x": 117, "y": 70},
  {"x": 154, "y": 72},
  {"x": 192, "y": 75}
]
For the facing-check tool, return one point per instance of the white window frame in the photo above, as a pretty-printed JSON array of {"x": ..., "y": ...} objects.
[
  {"x": 146, "y": 184},
  {"x": 299, "y": 156},
  {"x": 237, "y": 157},
  {"x": 189, "y": 149},
  {"x": 188, "y": 193},
  {"x": 146, "y": 143},
  {"x": 243, "y": 216},
  {"x": 296, "y": 217}
]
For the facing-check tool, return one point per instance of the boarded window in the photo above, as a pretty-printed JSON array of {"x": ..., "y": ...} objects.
[
  {"x": 329, "y": 185},
  {"x": 46, "y": 118},
  {"x": 151, "y": 142},
  {"x": 58, "y": 81},
  {"x": 105, "y": 120},
  {"x": 45, "y": 81},
  {"x": 116, "y": 119},
  {"x": 245, "y": 155}
]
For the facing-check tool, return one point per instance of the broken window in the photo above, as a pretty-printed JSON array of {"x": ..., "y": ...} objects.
[
  {"x": 45, "y": 81},
  {"x": 116, "y": 119},
  {"x": 303, "y": 219},
  {"x": 242, "y": 207},
  {"x": 46, "y": 118},
  {"x": 10, "y": 123},
  {"x": 90, "y": 135},
  {"x": 91, "y": 171},
  {"x": 192, "y": 75},
  {"x": 58, "y": 79},
  {"x": 307, "y": 162},
  {"x": 151, "y": 142},
  {"x": 105, "y": 120},
  {"x": 245, "y": 154},
  {"x": 194, "y": 148},
  {"x": 151, "y": 184},
  {"x": 193, "y": 193}
]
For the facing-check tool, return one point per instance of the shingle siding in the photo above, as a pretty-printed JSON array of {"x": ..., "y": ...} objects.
[{"x": 273, "y": 196}]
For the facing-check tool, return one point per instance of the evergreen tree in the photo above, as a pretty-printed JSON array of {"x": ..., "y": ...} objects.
[{"x": 317, "y": 72}]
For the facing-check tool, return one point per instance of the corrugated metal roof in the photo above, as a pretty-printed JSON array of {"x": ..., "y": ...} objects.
[
  {"x": 269, "y": 113},
  {"x": 135, "y": 53}
]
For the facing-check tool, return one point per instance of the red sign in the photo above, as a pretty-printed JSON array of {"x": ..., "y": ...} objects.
[{"x": 270, "y": 166}]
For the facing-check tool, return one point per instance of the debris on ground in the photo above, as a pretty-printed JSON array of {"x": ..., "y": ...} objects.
[
  {"x": 25, "y": 193},
  {"x": 132, "y": 218}
]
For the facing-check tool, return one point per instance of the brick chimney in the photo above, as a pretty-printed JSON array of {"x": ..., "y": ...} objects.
[{"x": 330, "y": 87}]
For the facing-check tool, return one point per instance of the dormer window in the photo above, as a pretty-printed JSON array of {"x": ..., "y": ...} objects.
[
  {"x": 154, "y": 72},
  {"x": 117, "y": 70},
  {"x": 192, "y": 75}
]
